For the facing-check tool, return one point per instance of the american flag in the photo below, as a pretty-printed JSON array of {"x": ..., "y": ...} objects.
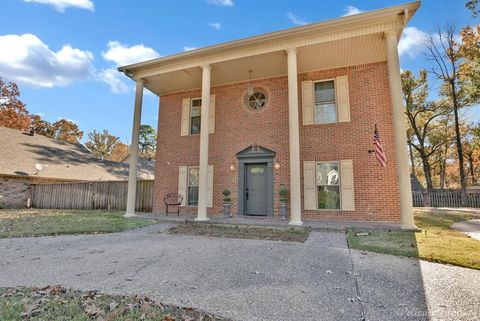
[{"x": 379, "y": 153}]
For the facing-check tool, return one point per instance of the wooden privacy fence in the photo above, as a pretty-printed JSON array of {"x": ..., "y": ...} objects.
[
  {"x": 445, "y": 198},
  {"x": 98, "y": 195}
]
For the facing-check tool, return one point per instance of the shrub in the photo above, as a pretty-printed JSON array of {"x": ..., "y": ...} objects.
[
  {"x": 226, "y": 195},
  {"x": 283, "y": 192}
]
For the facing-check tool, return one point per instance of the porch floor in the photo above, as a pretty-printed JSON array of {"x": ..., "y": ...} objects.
[{"x": 326, "y": 225}]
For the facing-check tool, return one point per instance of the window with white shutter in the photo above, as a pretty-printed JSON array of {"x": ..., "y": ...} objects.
[
  {"x": 185, "y": 124},
  {"x": 348, "y": 195},
  {"x": 325, "y": 101},
  {"x": 309, "y": 188},
  {"x": 182, "y": 183},
  {"x": 307, "y": 102},
  {"x": 192, "y": 116},
  {"x": 343, "y": 99}
]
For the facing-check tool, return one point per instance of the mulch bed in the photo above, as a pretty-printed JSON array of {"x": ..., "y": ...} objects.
[{"x": 242, "y": 232}]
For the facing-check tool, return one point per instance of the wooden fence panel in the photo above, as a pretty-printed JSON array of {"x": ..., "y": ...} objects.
[
  {"x": 446, "y": 198},
  {"x": 417, "y": 198},
  {"x": 104, "y": 195}
]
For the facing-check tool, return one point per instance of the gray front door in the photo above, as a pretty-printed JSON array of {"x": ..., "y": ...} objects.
[{"x": 256, "y": 189}]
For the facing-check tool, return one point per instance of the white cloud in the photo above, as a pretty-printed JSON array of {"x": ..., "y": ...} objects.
[
  {"x": 215, "y": 25},
  {"x": 187, "y": 48},
  {"x": 113, "y": 78},
  {"x": 351, "y": 10},
  {"x": 296, "y": 20},
  {"x": 61, "y": 5},
  {"x": 67, "y": 119},
  {"x": 26, "y": 59},
  {"x": 412, "y": 42},
  {"x": 123, "y": 55},
  {"x": 221, "y": 3}
]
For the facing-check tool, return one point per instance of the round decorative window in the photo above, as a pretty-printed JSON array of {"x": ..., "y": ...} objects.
[{"x": 257, "y": 100}]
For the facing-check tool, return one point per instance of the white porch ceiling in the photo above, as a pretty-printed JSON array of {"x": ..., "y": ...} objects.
[{"x": 327, "y": 55}]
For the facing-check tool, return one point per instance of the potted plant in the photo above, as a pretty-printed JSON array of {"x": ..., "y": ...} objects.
[
  {"x": 227, "y": 203},
  {"x": 283, "y": 192}
]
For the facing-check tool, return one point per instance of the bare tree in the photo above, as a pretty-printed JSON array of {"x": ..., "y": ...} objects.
[{"x": 443, "y": 52}]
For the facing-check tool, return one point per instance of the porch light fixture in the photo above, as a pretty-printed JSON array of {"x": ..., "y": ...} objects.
[
  {"x": 250, "y": 89},
  {"x": 233, "y": 167},
  {"x": 277, "y": 166}
]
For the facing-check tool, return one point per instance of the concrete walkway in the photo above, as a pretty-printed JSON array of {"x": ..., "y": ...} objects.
[
  {"x": 247, "y": 279},
  {"x": 471, "y": 228}
]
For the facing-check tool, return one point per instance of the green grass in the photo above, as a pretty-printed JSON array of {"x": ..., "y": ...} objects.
[
  {"x": 242, "y": 232},
  {"x": 436, "y": 242},
  {"x": 22, "y": 223},
  {"x": 60, "y": 304}
]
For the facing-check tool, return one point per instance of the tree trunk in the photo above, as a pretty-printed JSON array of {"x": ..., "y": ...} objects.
[
  {"x": 472, "y": 169},
  {"x": 427, "y": 171},
  {"x": 443, "y": 168},
  {"x": 458, "y": 138},
  {"x": 411, "y": 159}
]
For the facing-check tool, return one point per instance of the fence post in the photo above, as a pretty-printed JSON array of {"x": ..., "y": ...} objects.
[{"x": 427, "y": 202}]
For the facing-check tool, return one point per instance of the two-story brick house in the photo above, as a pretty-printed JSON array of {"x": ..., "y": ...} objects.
[{"x": 294, "y": 108}]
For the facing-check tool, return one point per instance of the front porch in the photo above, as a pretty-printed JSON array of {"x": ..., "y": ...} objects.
[{"x": 255, "y": 221}]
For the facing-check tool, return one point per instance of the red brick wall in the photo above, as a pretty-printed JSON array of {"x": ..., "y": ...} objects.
[{"x": 376, "y": 189}]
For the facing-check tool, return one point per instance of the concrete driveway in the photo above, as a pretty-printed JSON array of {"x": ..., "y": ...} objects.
[{"x": 247, "y": 279}]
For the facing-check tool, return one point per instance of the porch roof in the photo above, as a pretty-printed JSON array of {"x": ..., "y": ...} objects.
[{"x": 339, "y": 42}]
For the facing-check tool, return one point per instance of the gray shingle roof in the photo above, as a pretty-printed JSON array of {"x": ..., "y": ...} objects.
[{"x": 19, "y": 152}]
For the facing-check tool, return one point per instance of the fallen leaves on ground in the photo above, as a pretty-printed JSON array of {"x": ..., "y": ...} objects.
[{"x": 40, "y": 303}]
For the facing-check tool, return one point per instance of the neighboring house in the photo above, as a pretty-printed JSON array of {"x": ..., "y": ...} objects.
[
  {"x": 294, "y": 108},
  {"x": 416, "y": 185},
  {"x": 146, "y": 166},
  {"x": 65, "y": 162}
]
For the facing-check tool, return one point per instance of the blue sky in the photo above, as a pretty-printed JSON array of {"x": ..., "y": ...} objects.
[{"x": 64, "y": 53}]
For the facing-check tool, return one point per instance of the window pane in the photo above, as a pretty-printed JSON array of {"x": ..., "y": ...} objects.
[
  {"x": 196, "y": 111},
  {"x": 327, "y": 174},
  {"x": 329, "y": 197},
  {"x": 196, "y": 102},
  {"x": 324, "y": 91},
  {"x": 257, "y": 170},
  {"x": 193, "y": 176},
  {"x": 192, "y": 195},
  {"x": 195, "y": 125},
  {"x": 325, "y": 113}
]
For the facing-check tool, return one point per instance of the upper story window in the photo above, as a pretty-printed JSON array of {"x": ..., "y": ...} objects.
[
  {"x": 328, "y": 186},
  {"x": 257, "y": 100},
  {"x": 195, "y": 115},
  {"x": 325, "y": 111}
]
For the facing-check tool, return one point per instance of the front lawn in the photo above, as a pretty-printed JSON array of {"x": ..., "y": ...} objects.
[
  {"x": 39, "y": 222},
  {"x": 436, "y": 242},
  {"x": 242, "y": 232},
  {"x": 60, "y": 304}
]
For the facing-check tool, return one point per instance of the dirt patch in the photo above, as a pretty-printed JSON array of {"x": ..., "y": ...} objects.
[{"x": 242, "y": 232}]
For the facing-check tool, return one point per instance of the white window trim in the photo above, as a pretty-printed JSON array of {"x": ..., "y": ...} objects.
[
  {"x": 339, "y": 187},
  {"x": 190, "y": 118},
  {"x": 188, "y": 191},
  {"x": 315, "y": 104}
]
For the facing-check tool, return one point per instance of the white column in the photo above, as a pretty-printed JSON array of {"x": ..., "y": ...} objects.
[
  {"x": 294, "y": 139},
  {"x": 403, "y": 172},
  {"x": 132, "y": 173},
  {"x": 203, "y": 170}
]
